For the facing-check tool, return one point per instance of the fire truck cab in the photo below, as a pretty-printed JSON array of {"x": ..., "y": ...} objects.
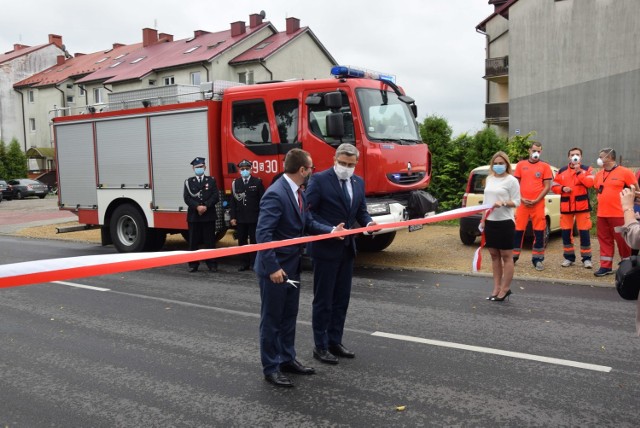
[{"x": 124, "y": 169}]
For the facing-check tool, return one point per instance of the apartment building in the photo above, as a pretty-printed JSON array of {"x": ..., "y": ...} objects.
[
  {"x": 568, "y": 70},
  {"x": 20, "y": 62}
]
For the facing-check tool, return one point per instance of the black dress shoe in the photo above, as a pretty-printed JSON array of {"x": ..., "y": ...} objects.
[
  {"x": 296, "y": 367},
  {"x": 278, "y": 379},
  {"x": 324, "y": 356},
  {"x": 341, "y": 351},
  {"x": 193, "y": 268}
]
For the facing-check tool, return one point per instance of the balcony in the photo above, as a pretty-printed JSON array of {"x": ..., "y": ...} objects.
[
  {"x": 496, "y": 113},
  {"x": 497, "y": 69}
]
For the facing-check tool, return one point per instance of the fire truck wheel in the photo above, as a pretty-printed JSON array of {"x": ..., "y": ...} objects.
[
  {"x": 128, "y": 229},
  {"x": 155, "y": 240},
  {"x": 375, "y": 243}
]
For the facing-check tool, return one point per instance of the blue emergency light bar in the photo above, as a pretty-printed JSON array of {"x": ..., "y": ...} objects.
[{"x": 348, "y": 71}]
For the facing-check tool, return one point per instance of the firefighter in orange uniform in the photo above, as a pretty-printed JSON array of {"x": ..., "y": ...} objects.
[
  {"x": 609, "y": 182},
  {"x": 572, "y": 183},
  {"x": 535, "y": 182}
]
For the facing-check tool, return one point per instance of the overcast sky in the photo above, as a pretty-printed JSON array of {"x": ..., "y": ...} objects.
[{"x": 431, "y": 46}]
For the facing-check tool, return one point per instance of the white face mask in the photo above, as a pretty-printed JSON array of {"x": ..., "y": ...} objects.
[
  {"x": 535, "y": 155},
  {"x": 600, "y": 162},
  {"x": 343, "y": 172},
  {"x": 575, "y": 159}
]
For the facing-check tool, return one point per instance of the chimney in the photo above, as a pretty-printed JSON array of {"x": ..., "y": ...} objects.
[
  {"x": 255, "y": 19},
  {"x": 237, "y": 28},
  {"x": 60, "y": 60},
  {"x": 293, "y": 25},
  {"x": 199, "y": 33},
  {"x": 497, "y": 4},
  {"x": 18, "y": 46},
  {"x": 149, "y": 37},
  {"x": 117, "y": 45},
  {"x": 56, "y": 40},
  {"x": 164, "y": 37}
]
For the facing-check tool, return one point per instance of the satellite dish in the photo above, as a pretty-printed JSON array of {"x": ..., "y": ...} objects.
[{"x": 263, "y": 14}]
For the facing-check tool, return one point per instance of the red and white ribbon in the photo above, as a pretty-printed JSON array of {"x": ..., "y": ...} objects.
[
  {"x": 477, "y": 256},
  {"x": 26, "y": 273}
]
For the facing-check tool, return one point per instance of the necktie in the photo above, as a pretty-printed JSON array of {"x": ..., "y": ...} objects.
[
  {"x": 345, "y": 191},
  {"x": 246, "y": 181},
  {"x": 300, "y": 198}
]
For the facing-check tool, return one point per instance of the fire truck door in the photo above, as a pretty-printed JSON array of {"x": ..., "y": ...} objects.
[{"x": 265, "y": 134}]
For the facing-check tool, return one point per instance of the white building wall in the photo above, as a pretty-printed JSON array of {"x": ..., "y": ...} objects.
[{"x": 11, "y": 116}]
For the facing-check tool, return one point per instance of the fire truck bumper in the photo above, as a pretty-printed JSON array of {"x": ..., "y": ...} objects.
[{"x": 387, "y": 212}]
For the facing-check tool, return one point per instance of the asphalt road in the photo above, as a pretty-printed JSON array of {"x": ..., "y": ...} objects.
[{"x": 167, "y": 348}]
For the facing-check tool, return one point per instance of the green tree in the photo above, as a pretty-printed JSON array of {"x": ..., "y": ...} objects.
[
  {"x": 435, "y": 130},
  {"x": 16, "y": 161},
  {"x": 518, "y": 146},
  {"x": 484, "y": 145},
  {"x": 3, "y": 160}
]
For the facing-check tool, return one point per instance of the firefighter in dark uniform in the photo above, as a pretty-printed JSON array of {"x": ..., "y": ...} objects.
[
  {"x": 201, "y": 195},
  {"x": 245, "y": 207}
]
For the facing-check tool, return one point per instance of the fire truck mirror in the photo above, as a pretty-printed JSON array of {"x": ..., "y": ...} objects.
[
  {"x": 335, "y": 125},
  {"x": 313, "y": 100},
  {"x": 333, "y": 100}
]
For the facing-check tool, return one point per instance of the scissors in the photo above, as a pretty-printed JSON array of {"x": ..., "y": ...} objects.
[{"x": 293, "y": 282}]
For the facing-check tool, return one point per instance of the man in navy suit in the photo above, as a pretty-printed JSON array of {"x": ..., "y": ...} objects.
[
  {"x": 283, "y": 215},
  {"x": 335, "y": 196}
]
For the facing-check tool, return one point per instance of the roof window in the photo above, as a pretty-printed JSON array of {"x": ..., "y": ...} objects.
[
  {"x": 102, "y": 60},
  {"x": 137, "y": 60},
  {"x": 191, "y": 49}
]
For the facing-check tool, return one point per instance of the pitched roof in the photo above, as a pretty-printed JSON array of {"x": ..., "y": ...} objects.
[
  {"x": 78, "y": 66},
  {"x": 8, "y": 56},
  {"x": 503, "y": 11},
  {"x": 200, "y": 48},
  {"x": 273, "y": 44}
]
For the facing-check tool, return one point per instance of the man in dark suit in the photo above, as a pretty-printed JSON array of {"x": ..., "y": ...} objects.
[
  {"x": 201, "y": 195},
  {"x": 335, "y": 196},
  {"x": 246, "y": 193},
  {"x": 283, "y": 215}
]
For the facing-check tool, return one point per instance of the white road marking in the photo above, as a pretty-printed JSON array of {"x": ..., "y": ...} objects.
[
  {"x": 484, "y": 350},
  {"x": 453, "y": 345},
  {"x": 73, "y": 284}
]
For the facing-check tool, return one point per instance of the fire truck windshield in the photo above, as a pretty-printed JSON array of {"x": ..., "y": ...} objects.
[{"x": 386, "y": 118}]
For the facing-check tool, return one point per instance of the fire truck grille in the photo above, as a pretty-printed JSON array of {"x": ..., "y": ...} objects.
[{"x": 404, "y": 178}]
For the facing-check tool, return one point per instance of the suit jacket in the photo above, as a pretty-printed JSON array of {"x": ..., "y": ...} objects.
[
  {"x": 280, "y": 218},
  {"x": 328, "y": 205},
  {"x": 204, "y": 193},
  {"x": 245, "y": 199}
]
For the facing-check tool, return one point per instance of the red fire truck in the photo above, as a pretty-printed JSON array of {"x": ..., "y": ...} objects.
[{"x": 124, "y": 170}]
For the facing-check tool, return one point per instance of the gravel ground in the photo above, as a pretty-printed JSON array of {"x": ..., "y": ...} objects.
[{"x": 435, "y": 248}]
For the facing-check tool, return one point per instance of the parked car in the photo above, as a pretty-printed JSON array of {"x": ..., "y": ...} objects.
[
  {"x": 474, "y": 195},
  {"x": 6, "y": 191},
  {"x": 24, "y": 187}
]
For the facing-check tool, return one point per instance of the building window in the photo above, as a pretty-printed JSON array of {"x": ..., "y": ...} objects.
[
  {"x": 32, "y": 96},
  {"x": 32, "y": 125},
  {"x": 70, "y": 98},
  {"x": 191, "y": 49},
  {"x": 195, "y": 78},
  {"x": 82, "y": 91},
  {"x": 152, "y": 82},
  {"x": 246, "y": 77},
  {"x": 137, "y": 60},
  {"x": 170, "y": 80},
  {"x": 97, "y": 95}
]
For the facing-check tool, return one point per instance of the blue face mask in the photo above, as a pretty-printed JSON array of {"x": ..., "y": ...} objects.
[
  {"x": 245, "y": 173},
  {"x": 199, "y": 171},
  {"x": 499, "y": 169}
]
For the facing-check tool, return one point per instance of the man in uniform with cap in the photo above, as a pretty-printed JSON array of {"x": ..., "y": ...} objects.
[
  {"x": 245, "y": 207},
  {"x": 201, "y": 195}
]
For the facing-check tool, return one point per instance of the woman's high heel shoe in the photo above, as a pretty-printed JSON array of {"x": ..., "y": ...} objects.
[
  {"x": 501, "y": 299},
  {"x": 491, "y": 297}
]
